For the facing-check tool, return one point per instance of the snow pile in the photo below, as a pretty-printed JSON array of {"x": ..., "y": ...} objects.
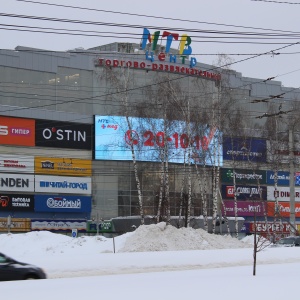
[
  {"x": 146, "y": 238},
  {"x": 160, "y": 237}
]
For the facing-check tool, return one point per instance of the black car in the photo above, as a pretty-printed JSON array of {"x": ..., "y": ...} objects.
[
  {"x": 10, "y": 269},
  {"x": 290, "y": 241}
]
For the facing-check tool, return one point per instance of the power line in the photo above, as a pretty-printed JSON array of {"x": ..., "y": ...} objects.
[
  {"x": 150, "y": 16},
  {"x": 85, "y": 22},
  {"x": 278, "y": 2}
]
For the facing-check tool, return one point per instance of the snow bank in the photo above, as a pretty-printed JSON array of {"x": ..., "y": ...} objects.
[{"x": 160, "y": 237}]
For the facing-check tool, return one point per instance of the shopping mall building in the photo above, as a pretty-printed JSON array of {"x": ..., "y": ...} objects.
[{"x": 63, "y": 153}]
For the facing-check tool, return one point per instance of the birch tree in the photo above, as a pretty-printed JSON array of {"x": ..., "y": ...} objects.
[{"x": 121, "y": 80}]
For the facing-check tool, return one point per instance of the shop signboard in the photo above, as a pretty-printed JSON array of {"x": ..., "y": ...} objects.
[
  {"x": 271, "y": 227},
  {"x": 282, "y": 193},
  {"x": 283, "y": 178},
  {"x": 58, "y": 225},
  {"x": 244, "y": 149},
  {"x": 16, "y": 225},
  {"x": 16, "y": 202},
  {"x": 103, "y": 227},
  {"x": 244, "y": 208},
  {"x": 243, "y": 176},
  {"x": 63, "y": 184},
  {"x": 16, "y": 182},
  {"x": 63, "y": 135},
  {"x": 282, "y": 153},
  {"x": 17, "y": 131},
  {"x": 63, "y": 203},
  {"x": 63, "y": 166},
  {"x": 114, "y": 139},
  {"x": 16, "y": 163},
  {"x": 284, "y": 209},
  {"x": 244, "y": 192}
]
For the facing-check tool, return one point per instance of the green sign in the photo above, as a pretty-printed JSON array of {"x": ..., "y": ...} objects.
[
  {"x": 243, "y": 176},
  {"x": 104, "y": 226}
]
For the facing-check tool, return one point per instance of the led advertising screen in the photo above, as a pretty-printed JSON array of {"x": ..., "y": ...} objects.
[{"x": 114, "y": 138}]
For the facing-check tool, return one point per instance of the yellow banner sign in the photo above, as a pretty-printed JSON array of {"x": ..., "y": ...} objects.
[
  {"x": 16, "y": 225},
  {"x": 63, "y": 166}
]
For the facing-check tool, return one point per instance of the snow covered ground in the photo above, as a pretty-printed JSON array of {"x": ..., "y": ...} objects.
[{"x": 155, "y": 261}]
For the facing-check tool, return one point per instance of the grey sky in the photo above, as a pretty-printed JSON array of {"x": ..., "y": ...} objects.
[{"x": 255, "y": 14}]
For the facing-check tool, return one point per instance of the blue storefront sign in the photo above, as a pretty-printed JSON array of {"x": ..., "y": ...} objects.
[
  {"x": 241, "y": 149},
  {"x": 283, "y": 178},
  {"x": 58, "y": 203}
]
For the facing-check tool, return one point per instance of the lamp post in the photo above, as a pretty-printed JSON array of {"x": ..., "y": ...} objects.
[
  {"x": 291, "y": 168},
  {"x": 292, "y": 181}
]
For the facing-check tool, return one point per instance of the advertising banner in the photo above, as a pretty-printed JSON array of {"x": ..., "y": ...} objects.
[
  {"x": 244, "y": 208},
  {"x": 240, "y": 149},
  {"x": 281, "y": 152},
  {"x": 17, "y": 225},
  {"x": 283, "y": 178},
  {"x": 63, "y": 166},
  {"x": 17, "y": 131},
  {"x": 113, "y": 140},
  {"x": 63, "y": 184},
  {"x": 103, "y": 226},
  {"x": 16, "y": 182},
  {"x": 263, "y": 227},
  {"x": 283, "y": 193},
  {"x": 59, "y": 225},
  {"x": 16, "y": 163},
  {"x": 244, "y": 192},
  {"x": 284, "y": 209},
  {"x": 16, "y": 202},
  {"x": 58, "y": 203},
  {"x": 63, "y": 135},
  {"x": 243, "y": 176}
]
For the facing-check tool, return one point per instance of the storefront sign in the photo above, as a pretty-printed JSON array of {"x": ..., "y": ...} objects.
[
  {"x": 184, "y": 45},
  {"x": 103, "y": 226},
  {"x": 59, "y": 225},
  {"x": 16, "y": 182},
  {"x": 244, "y": 208},
  {"x": 283, "y": 178},
  {"x": 16, "y": 202},
  {"x": 16, "y": 225},
  {"x": 263, "y": 227},
  {"x": 113, "y": 140},
  {"x": 63, "y": 135},
  {"x": 243, "y": 176},
  {"x": 58, "y": 203},
  {"x": 284, "y": 209},
  {"x": 281, "y": 153},
  {"x": 244, "y": 192},
  {"x": 160, "y": 67},
  {"x": 282, "y": 193},
  {"x": 17, "y": 131},
  {"x": 63, "y": 166},
  {"x": 239, "y": 149},
  {"x": 16, "y": 163},
  {"x": 63, "y": 184}
]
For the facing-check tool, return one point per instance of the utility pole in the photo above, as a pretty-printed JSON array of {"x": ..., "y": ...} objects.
[{"x": 292, "y": 180}]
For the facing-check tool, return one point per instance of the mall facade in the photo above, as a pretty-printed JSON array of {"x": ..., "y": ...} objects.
[{"x": 59, "y": 110}]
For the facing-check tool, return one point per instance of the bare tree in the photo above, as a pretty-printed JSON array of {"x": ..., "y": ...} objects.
[{"x": 120, "y": 79}]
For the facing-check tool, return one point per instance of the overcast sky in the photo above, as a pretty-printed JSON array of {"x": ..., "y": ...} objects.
[{"x": 244, "y": 16}]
